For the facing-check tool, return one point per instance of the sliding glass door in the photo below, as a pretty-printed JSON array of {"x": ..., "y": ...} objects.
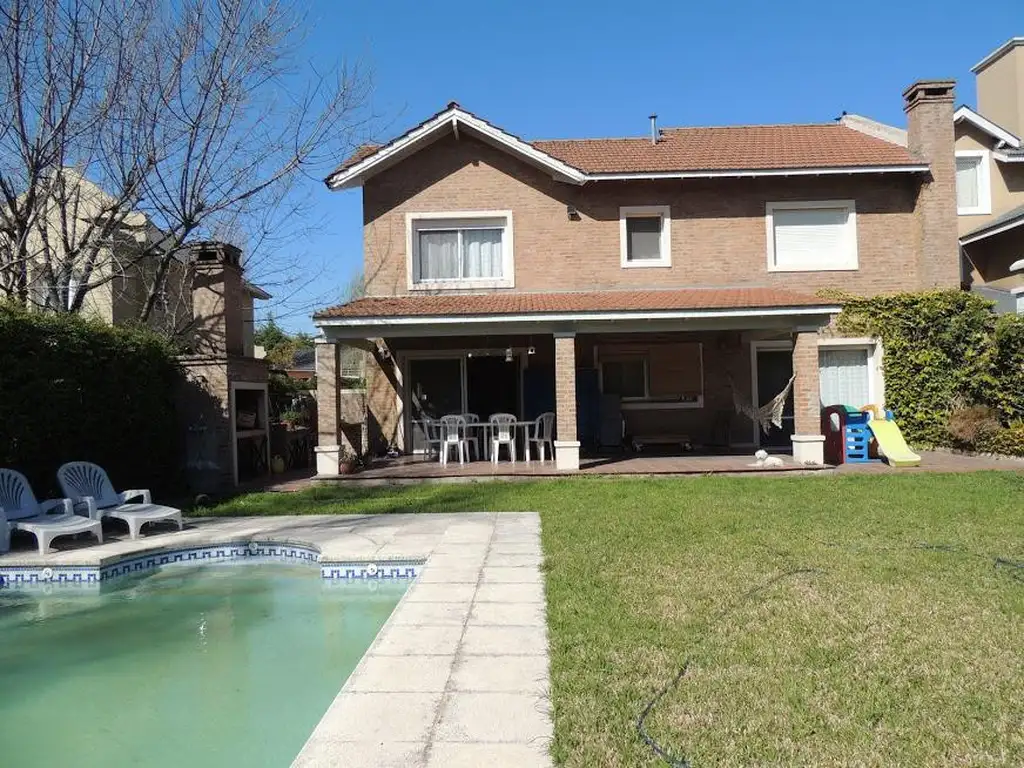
[{"x": 435, "y": 388}]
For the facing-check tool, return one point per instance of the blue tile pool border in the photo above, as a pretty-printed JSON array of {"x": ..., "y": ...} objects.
[{"x": 13, "y": 576}]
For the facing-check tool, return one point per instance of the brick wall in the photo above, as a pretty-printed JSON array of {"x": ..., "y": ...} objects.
[
  {"x": 806, "y": 387},
  {"x": 719, "y": 233},
  {"x": 327, "y": 403}
]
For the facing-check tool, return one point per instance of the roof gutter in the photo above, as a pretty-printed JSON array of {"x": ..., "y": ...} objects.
[
  {"x": 758, "y": 172},
  {"x": 325, "y": 321}
]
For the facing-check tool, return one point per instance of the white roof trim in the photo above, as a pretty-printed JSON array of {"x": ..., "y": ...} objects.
[
  {"x": 1013, "y": 42},
  {"x": 988, "y": 233},
  {"x": 451, "y": 118},
  {"x": 986, "y": 125},
  {"x": 1002, "y": 157},
  {"x": 836, "y": 171},
  {"x": 559, "y": 317}
]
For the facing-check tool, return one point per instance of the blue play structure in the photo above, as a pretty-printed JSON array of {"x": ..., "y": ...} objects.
[
  {"x": 856, "y": 438},
  {"x": 848, "y": 434}
]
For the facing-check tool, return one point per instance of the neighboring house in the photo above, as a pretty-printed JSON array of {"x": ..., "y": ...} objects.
[
  {"x": 121, "y": 277},
  {"x": 990, "y": 178},
  {"x": 664, "y": 277}
]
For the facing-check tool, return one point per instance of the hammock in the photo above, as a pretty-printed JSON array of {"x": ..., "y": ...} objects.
[{"x": 768, "y": 414}]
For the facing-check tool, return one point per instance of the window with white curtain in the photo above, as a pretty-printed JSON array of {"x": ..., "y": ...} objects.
[
  {"x": 845, "y": 374},
  {"x": 973, "y": 194},
  {"x": 812, "y": 236},
  {"x": 471, "y": 251}
]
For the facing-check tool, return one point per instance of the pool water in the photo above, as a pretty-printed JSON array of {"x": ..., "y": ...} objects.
[{"x": 230, "y": 664}]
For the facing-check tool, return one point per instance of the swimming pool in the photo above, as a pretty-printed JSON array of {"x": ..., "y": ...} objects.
[{"x": 196, "y": 665}]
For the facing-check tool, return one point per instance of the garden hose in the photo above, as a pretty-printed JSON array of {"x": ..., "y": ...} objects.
[{"x": 1015, "y": 569}]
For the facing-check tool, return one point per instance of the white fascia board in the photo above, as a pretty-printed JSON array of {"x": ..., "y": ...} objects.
[
  {"x": 839, "y": 171},
  {"x": 986, "y": 125},
  {"x": 988, "y": 233},
  {"x": 1002, "y": 157},
  {"x": 451, "y": 118},
  {"x": 562, "y": 317}
]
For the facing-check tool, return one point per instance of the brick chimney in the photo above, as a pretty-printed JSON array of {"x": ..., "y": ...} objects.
[
  {"x": 217, "y": 299},
  {"x": 1000, "y": 80},
  {"x": 929, "y": 108}
]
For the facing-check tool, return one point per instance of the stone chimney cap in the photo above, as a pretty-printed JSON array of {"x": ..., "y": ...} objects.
[
  {"x": 213, "y": 252},
  {"x": 928, "y": 90},
  {"x": 998, "y": 53}
]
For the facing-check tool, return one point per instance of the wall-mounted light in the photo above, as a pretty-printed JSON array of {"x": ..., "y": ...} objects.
[
  {"x": 571, "y": 212},
  {"x": 531, "y": 350},
  {"x": 508, "y": 355}
]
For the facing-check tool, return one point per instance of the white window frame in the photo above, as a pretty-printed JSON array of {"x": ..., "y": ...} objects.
[
  {"x": 507, "y": 279},
  {"x": 665, "y": 245},
  {"x": 851, "y": 260},
  {"x": 984, "y": 206},
  {"x": 873, "y": 347}
]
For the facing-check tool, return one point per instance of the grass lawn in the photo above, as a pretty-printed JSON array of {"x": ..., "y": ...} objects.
[{"x": 888, "y": 653}]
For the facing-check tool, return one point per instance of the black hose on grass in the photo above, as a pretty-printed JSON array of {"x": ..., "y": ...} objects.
[
  {"x": 650, "y": 741},
  {"x": 1016, "y": 573}
]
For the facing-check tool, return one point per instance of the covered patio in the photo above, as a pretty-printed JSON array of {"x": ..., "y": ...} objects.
[{"x": 625, "y": 373}]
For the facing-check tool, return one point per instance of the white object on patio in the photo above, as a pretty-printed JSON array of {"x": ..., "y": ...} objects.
[
  {"x": 472, "y": 441},
  {"x": 543, "y": 435},
  {"x": 503, "y": 432},
  {"x": 431, "y": 436},
  {"x": 453, "y": 435},
  {"x": 20, "y": 511},
  {"x": 88, "y": 486}
]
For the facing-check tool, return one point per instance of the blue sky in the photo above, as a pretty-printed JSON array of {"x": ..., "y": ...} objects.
[{"x": 549, "y": 69}]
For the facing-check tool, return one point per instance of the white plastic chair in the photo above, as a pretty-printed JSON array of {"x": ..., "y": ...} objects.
[
  {"x": 88, "y": 486},
  {"x": 472, "y": 441},
  {"x": 19, "y": 511},
  {"x": 431, "y": 436},
  {"x": 503, "y": 432},
  {"x": 543, "y": 435},
  {"x": 453, "y": 435}
]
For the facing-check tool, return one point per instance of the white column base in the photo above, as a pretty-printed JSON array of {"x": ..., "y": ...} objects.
[
  {"x": 327, "y": 458},
  {"x": 567, "y": 455},
  {"x": 809, "y": 449}
]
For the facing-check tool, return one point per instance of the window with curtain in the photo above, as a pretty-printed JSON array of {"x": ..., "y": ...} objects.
[
  {"x": 646, "y": 236},
  {"x": 845, "y": 376},
  {"x": 972, "y": 193},
  {"x": 459, "y": 250},
  {"x": 643, "y": 238},
  {"x": 812, "y": 236}
]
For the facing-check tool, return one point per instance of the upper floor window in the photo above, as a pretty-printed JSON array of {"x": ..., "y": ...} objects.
[
  {"x": 645, "y": 236},
  {"x": 973, "y": 193},
  {"x": 460, "y": 250},
  {"x": 812, "y": 236}
]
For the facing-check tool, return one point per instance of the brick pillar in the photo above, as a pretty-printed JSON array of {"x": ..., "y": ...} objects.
[
  {"x": 328, "y": 370},
  {"x": 567, "y": 447},
  {"x": 808, "y": 442}
]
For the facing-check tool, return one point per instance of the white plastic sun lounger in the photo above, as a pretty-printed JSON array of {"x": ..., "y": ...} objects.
[
  {"x": 92, "y": 493},
  {"x": 19, "y": 511}
]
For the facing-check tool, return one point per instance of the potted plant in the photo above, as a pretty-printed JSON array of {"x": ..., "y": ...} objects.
[
  {"x": 290, "y": 418},
  {"x": 348, "y": 462}
]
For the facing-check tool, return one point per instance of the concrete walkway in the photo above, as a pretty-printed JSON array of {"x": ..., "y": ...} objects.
[{"x": 459, "y": 674}]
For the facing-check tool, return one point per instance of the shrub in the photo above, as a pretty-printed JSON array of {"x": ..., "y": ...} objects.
[
  {"x": 939, "y": 351},
  {"x": 973, "y": 425},
  {"x": 1008, "y": 441},
  {"x": 1008, "y": 396},
  {"x": 72, "y": 389}
]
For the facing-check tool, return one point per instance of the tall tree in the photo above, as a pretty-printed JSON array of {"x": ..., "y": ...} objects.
[{"x": 129, "y": 128}]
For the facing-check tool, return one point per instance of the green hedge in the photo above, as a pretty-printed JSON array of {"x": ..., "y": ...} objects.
[
  {"x": 72, "y": 389},
  {"x": 943, "y": 350}
]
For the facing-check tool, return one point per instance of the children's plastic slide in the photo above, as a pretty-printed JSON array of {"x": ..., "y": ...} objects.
[{"x": 891, "y": 443}]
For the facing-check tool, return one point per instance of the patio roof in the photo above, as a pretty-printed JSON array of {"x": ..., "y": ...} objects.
[{"x": 468, "y": 313}]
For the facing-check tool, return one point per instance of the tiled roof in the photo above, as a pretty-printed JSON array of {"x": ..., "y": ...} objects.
[
  {"x": 1012, "y": 216},
  {"x": 449, "y": 305},
  {"x": 747, "y": 147},
  {"x": 361, "y": 152}
]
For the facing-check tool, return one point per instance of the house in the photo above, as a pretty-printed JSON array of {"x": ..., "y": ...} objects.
[
  {"x": 122, "y": 270},
  {"x": 650, "y": 282},
  {"x": 990, "y": 178}
]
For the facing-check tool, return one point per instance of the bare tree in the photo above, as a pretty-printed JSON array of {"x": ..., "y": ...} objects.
[{"x": 129, "y": 128}]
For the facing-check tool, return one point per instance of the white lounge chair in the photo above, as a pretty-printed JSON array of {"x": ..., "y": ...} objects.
[
  {"x": 19, "y": 511},
  {"x": 91, "y": 490}
]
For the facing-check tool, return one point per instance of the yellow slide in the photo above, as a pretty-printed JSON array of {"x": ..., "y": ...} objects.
[{"x": 892, "y": 445}]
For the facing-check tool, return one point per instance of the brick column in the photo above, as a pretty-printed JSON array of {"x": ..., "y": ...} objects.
[
  {"x": 328, "y": 371},
  {"x": 567, "y": 447},
  {"x": 808, "y": 442}
]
